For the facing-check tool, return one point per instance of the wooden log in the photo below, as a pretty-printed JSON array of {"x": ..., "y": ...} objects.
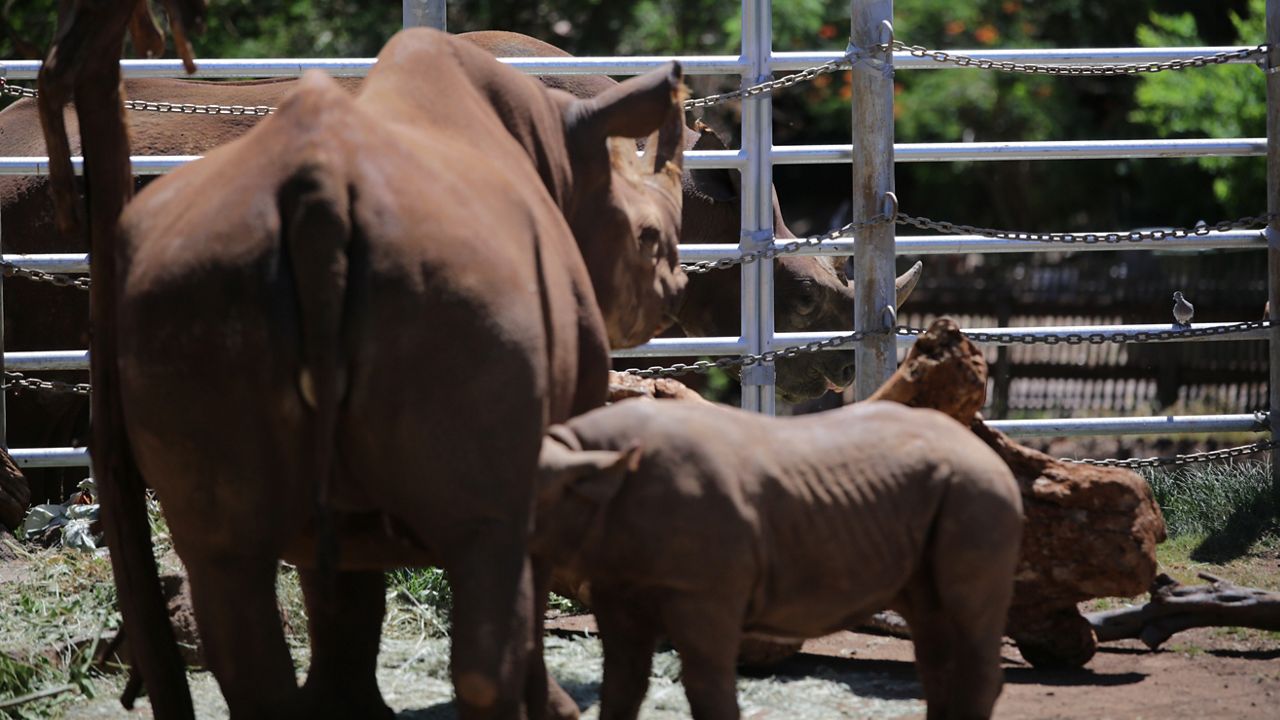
[
  {"x": 943, "y": 371},
  {"x": 15, "y": 493},
  {"x": 623, "y": 386},
  {"x": 1175, "y": 607}
]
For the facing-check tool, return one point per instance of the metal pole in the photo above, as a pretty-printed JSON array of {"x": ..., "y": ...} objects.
[
  {"x": 757, "y": 203},
  {"x": 4, "y": 417},
  {"x": 871, "y": 25},
  {"x": 424, "y": 13},
  {"x": 1273, "y": 227}
]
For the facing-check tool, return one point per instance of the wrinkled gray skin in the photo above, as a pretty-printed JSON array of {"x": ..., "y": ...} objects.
[
  {"x": 810, "y": 293},
  {"x": 702, "y": 523}
]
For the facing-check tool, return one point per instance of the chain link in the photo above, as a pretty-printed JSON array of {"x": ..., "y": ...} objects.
[
  {"x": 11, "y": 270},
  {"x": 18, "y": 380},
  {"x": 773, "y": 251},
  {"x": 772, "y": 85},
  {"x": 1131, "y": 236},
  {"x": 960, "y": 60},
  {"x": 1135, "y": 463}
]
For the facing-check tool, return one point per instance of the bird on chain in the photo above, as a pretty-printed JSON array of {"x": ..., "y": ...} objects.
[{"x": 1183, "y": 311}]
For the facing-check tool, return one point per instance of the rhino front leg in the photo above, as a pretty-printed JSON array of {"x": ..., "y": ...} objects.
[
  {"x": 707, "y": 632},
  {"x": 345, "y": 624}
]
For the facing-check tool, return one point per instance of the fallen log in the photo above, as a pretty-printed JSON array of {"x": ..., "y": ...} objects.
[
  {"x": 1089, "y": 531},
  {"x": 1175, "y": 607},
  {"x": 624, "y": 386},
  {"x": 15, "y": 493}
]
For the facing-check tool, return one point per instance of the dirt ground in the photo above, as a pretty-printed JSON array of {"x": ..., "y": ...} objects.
[{"x": 1205, "y": 673}]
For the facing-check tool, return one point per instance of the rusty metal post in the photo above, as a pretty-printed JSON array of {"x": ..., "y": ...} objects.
[
  {"x": 1272, "y": 68},
  {"x": 873, "y": 257},
  {"x": 424, "y": 13}
]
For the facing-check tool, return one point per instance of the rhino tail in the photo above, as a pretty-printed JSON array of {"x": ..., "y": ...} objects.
[{"x": 315, "y": 206}]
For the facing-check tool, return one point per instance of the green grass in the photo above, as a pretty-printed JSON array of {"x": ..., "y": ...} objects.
[{"x": 1225, "y": 510}]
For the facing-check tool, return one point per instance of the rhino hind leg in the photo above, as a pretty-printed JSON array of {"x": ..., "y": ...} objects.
[
  {"x": 957, "y": 606},
  {"x": 629, "y": 642},
  {"x": 493, "y": 588},
  {"x": 234, "y": 598},
  {"x": 706, "y": 632},
  {"x": 345, "y": 624}
]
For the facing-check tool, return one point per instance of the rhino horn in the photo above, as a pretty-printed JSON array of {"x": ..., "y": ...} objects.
[{"x": 906, "y": 283}]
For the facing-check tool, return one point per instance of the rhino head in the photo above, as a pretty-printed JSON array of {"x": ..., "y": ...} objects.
[
  {"x": 810, "y": 293},
  {"x": 625, "y": 211}
]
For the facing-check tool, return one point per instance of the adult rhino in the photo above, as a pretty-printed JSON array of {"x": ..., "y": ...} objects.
[
  {"x": 380, "y": 303},
  {"x": 811, "y": 293}
]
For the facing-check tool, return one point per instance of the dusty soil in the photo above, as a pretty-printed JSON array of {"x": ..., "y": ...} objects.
[{"x": 1207, "y": 673}]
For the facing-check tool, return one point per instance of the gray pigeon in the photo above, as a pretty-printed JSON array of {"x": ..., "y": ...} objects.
[{"x": 1183, "y": 311}]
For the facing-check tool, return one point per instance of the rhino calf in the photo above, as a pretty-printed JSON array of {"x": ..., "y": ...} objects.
[{"x": 705, "y": 523}]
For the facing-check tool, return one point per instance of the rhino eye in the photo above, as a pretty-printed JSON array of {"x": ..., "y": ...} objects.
[{"x": 806, "y": 300}]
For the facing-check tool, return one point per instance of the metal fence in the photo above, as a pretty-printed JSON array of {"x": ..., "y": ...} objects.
[{"x": 874, "y": 55}]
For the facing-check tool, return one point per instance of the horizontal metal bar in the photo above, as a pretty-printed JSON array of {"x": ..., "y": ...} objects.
[
  {"x": 1036, "y": 150},
  {"x": 1151, "y": 425},
  {"x": 50, "y": 457},
  {"x": 685, "y": 347},
  {"x": 787, "y": 61},
  {"x": 693, "y": 64},
  {"x": 783, "y": 340},
  {"x": 47, "y": 360},
  {"x": 961, "y": 244},
  {"x": 838, "y": 154},
  {"x": 66, "y": 263},
  {"x": 162, "y": 164},
  {"x": 359, "y": 67}
]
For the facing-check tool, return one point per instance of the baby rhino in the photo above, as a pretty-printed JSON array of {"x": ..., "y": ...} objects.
[{"x": 704, "y": 523}]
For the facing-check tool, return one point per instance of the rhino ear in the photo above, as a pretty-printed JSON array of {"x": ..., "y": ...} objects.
[
  {"x": 594, "y": 474},
  {"x": 719, "y": 185},
  {"x": 634, "y": 108}
]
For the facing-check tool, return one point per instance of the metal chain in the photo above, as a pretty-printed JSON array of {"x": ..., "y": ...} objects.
[
  {"x": 11, "y": 270},
  {"x": 771, "y": 85},
  {"x": 773, "y": 251},
  {"x": 1099, "y": 338},
  {"x": 18, "y": 380},
  {"x": 1187, "y": 459},
  {"x": 1131, "y": 236},
  {"x": 1096, "y": 338},
  {"x": 959, "y": 60},
  {"x": 702, "y": 366},
  {"x": 194, "y": 109}
]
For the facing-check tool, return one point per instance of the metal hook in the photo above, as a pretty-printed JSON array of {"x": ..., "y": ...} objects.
[
  {"x": 890, "y": 206},
  {"x": 886, "y": 36}
]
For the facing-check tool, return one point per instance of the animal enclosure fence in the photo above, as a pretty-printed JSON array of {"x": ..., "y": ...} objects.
[{"x": 874, "y": 54}]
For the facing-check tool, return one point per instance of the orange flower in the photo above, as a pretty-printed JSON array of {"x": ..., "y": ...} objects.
[
  {"x": 846, "y": 92},
  {"x": 897, "y": 89},
  {"x": 955, "y": 27},
  {"x": 987, "y": 34},
  {"x": 1044, "y": 91},
  {"x": 822, "y": 81},
  {"x": 1010, "y": 6},
  {"x": 827, "y": 31}
]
